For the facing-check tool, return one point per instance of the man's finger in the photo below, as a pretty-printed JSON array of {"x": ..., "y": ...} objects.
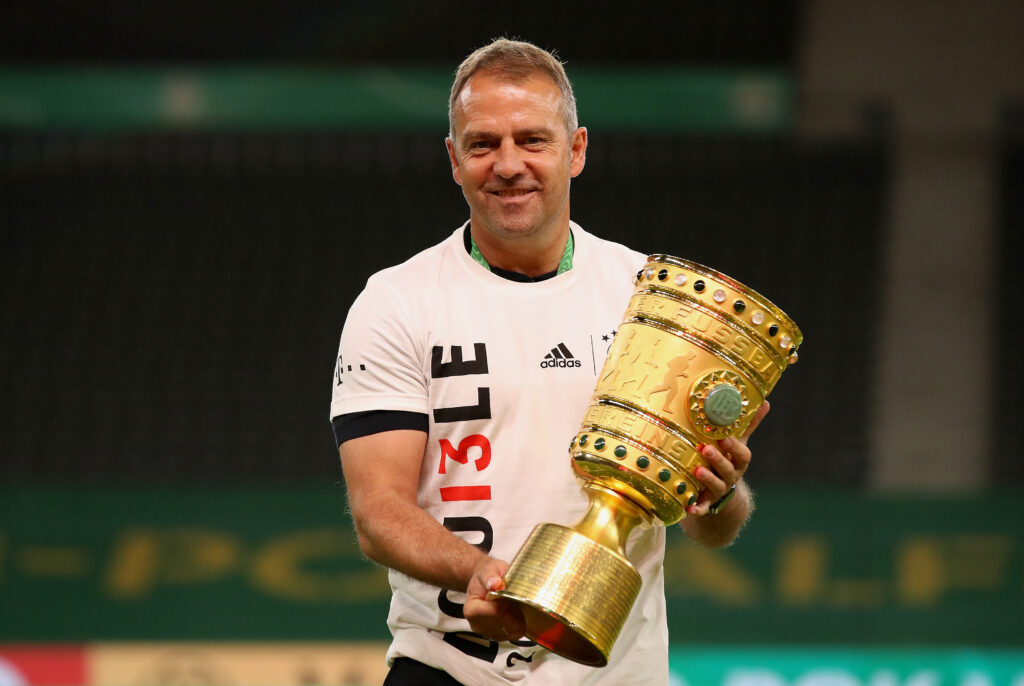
[
  {"x": 721, "y": 466},
  {"x": 758, "y": 416},
  {"x": 737, "y": 452}
]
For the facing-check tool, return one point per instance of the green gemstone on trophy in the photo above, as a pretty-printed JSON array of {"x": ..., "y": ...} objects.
[
  {"x": 642, "y": 462},
  {"x": 583, "y": 440},
  {"x": 664, "y": 475},
  {"x": 599, "y": 444},
  {"x": 620, "y": 451},
  {"x": 723, "y": 405}
]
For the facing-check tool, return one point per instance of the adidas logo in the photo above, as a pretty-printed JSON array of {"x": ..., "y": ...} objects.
[{"x": 559, "y": 357}]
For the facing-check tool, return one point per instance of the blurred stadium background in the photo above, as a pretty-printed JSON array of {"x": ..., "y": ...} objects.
[{"x": 191, "y": 194}]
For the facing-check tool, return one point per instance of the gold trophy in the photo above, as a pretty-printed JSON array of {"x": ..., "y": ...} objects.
[{"x": 693, "y": 360}]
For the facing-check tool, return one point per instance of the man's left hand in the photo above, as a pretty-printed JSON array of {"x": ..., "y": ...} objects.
[{"x": 728, "y": 462}]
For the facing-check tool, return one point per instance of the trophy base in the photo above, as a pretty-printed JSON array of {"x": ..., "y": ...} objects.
[{"x": 574, "y": 592}]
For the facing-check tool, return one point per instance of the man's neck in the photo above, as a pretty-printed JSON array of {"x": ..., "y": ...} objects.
[{"x": 529, "y": 256}]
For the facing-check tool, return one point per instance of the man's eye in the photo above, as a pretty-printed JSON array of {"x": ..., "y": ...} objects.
[{"x": 480, "y": 145}]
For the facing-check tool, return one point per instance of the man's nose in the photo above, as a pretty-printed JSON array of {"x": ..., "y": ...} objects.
[{"x": 508, "y": 161}]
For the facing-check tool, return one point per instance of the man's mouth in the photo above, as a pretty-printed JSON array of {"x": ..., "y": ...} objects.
[{"x": 511, "y": 192}]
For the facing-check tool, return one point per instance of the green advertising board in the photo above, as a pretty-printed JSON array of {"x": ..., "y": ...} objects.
[
  {"x": 291, "y": 98},
  {"x": 822, "y": 568}
]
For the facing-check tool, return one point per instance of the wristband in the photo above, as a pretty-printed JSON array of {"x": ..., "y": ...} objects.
[{"x": 717, "y": 506}]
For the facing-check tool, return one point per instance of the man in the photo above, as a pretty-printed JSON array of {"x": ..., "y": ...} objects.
[{"x": 452, "y": 429}]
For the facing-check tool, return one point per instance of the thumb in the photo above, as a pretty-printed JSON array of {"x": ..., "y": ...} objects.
[{"x": 756, "y": 421}]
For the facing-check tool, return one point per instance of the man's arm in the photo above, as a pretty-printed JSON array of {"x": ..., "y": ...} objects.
[
  {"x": 728, "y": 461},
  {"x": 381, "y": 474}
]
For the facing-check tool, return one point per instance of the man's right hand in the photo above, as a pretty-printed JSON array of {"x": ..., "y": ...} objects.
[
  {"x": 499, "y": 620},
  {"x": 381, "y": 476}
]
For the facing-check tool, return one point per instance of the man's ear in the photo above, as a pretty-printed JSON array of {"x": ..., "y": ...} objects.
[
  {"x": 578, "y": 148},
  {"x": 454, "y": 159}
]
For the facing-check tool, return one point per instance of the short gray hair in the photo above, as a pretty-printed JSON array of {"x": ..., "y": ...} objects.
[{"x": 515, "y": 61}]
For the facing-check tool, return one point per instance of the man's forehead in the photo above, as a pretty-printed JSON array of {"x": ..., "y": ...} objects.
[
  {"x": 485, "y": 85},
  {"x": 493, "y": 103}
]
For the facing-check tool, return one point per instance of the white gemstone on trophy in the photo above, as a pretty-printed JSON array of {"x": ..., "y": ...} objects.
[
  {"x": 784, "y": 341},
  {"x": 719, "y": 296},
  {"x": 649, "y": 273},
  {"x": 757, "y": 317},
  {"x": 680, "y": 279}
]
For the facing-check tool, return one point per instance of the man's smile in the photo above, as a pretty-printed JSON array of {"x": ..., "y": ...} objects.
[{"x": 511, "y": 192}]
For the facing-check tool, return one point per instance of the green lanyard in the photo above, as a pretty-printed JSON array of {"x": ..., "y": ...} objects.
[{"x": 564, "y": 265}]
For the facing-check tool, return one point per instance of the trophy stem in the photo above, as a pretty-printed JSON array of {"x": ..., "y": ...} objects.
[
  {"x": 575, "y": 585},
  {"x": 610, "y": 518}
]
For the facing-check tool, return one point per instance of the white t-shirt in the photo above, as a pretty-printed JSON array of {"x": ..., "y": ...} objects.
[{"x": 504, "y": 370}]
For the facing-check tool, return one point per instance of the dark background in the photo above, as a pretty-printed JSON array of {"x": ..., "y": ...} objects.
[
  {"x": 683, "y": 32},
  {"x": 173, "y": 320},
  {"x": 172, "y": 300}
]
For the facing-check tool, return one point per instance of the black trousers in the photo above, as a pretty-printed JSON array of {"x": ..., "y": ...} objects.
[{"x": 408, "y": 672}]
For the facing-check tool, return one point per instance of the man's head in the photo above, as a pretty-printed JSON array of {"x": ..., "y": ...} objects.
[
  {"x": 514, "y": 61},
  {"x": 515, "y": 146}
]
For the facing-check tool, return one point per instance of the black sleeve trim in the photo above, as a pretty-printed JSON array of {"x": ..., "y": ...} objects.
[{"x": 356, "y": 424}]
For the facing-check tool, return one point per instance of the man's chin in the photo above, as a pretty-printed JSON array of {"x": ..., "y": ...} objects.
[
  {"x": 515, "y": 232},
  {"x": 512, "y": 229}
]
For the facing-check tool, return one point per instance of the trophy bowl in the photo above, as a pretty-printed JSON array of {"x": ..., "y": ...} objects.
[{"x": 694, "y": 358}]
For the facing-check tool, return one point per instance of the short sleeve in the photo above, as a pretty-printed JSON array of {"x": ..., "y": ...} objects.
[{"x": 380, "y": 364}]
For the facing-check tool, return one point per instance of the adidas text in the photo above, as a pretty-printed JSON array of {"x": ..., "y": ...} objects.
[{"x": 546, "y": 364}]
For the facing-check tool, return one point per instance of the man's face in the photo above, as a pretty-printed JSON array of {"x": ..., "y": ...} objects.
[{"x": 512, "y": 155}]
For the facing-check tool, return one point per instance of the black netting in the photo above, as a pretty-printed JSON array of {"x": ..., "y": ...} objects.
[
  {"x": 1007, "y": 466},
  {"x": 712, "y": 32},
  {"x": 172, "y": 303}
]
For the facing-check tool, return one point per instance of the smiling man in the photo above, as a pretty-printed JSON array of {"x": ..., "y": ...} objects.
[
  {"x": 513, "y": 150},
  {"x": 463, "y": 373}
]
